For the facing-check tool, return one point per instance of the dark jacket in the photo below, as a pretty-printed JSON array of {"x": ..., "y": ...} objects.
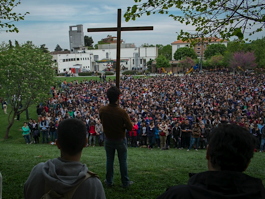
[
  {"x": 176, "y": 132},
  {"x": 150, "y": 131},
  {"x": 114, "y": 120},
  {"x": 217, "y": 185}
]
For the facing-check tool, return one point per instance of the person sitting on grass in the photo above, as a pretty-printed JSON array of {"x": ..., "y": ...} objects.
[
  {"x": 228, "y": 154},
  {"x": 26, "y": 133},
  {"x": 65, "y": 175}
]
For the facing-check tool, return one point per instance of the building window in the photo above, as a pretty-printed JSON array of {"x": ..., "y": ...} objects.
[
  {"x": 63, "y": 60},
  {"x": 198, "y": 44},
  {"x": 96, "y": 57},
  {"x": 77, "y": 59},
  {"x": 133, "y": 61},
  {"x": 204, "y": 45},
  {"x": 178, "y": 46},
  {"x": 141, "y": 61},
  {"x": 198, "y": 48},
  {"x": 198, "y": 52},
  {"x": 126, "y": 63},
  {"x": 107, "y": 55}
]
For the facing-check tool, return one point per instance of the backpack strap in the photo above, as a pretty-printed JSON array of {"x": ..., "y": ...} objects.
[{"x": 70, "y": 193}]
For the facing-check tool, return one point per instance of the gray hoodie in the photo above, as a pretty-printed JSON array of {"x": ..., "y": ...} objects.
[{"x": 62, "y": 175}]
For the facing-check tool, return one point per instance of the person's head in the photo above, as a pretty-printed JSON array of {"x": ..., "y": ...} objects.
[
  {"x": 25, "y": 123},
  {"x": 113, "y": 94},
  {"x": 71, "y": 136},
  {"x": 231, "y": 148}
]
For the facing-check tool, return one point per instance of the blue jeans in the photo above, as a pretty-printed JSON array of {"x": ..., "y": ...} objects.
[
  {"x": 27, "y": 138},
  {"x": 194, "y": 140},
  {"x": 45, "y": 135},
  {"x": 262, "y": 144},
  {"x": 121, "y": 147},
  {"x": 53, "y": 135}
]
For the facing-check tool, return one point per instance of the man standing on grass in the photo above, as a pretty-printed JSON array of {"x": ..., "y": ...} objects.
[
  {"x": 115, "y": 120},
  {"x": 66, "y": 175},
  {"x": 229, "y": 153}
]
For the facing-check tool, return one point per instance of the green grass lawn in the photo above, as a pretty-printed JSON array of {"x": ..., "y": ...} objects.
[{"x": 152, "y": 171}]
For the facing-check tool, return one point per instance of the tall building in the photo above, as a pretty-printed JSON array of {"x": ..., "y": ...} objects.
[{"x": 76, "y": 38}]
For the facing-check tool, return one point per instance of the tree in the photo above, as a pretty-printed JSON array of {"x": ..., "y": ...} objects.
[
  {"x": 187, "y": 62},
  {"x": 26, "y": 77},
  {"x": 214, "y": 49},
  {"x": 184, "y": 52},
  {"x": 7, "y": 16},
  {"x": 147, "y": 45},
  {"x": 58, "y": 48},
  {"x": 259, "y": 51},
  {"x": 88, "y": 41},
  {"x": 166, "y": 51},
  {"x": 44, "y": 48},
  {"x": 216, "y": 61},
  {"x": 161, "y": 61},
  {"x": 149, "y": 64},
  {"x": 211, "y": 18},
  {"x": 243, "y": 60}
]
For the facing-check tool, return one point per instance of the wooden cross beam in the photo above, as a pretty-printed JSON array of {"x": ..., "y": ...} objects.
[{"x": 119, "y": 29}]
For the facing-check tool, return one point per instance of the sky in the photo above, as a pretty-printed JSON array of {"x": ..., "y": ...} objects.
[{"x": 49, "y": 20}]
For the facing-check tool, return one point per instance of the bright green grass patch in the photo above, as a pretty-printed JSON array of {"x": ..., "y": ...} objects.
[{"x": 152, "y": 171}]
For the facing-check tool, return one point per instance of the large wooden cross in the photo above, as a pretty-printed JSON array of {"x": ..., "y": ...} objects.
[{"x": 119, "y": 29}]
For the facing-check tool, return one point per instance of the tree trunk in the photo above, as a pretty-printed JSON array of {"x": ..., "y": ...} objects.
[{"x": 10, "y": 124}]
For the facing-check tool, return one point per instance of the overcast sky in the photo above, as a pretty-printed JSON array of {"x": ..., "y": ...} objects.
[{"x": 49, "y": 20}]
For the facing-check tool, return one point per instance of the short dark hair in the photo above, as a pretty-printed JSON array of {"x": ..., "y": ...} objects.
[
  {"x": 113, "y": 94},
  {"x": 231, "y": 147},
  {"x": 71, "y": 136}
]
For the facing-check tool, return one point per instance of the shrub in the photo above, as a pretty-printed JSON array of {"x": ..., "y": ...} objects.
[
  {"x": 61, "y": 74},
  {"x": 109, "y": 73},
  {"x": 85, "y": 74},
  {"x": 128, "y": 72}
]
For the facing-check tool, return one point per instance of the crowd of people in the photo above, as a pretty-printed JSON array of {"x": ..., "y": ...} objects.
[{"x": 166, "y": 111}]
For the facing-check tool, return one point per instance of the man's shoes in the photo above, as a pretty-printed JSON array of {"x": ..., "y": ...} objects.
[
  {"x": 129, "y": 183},
  {"x": 108, "y": 185}
]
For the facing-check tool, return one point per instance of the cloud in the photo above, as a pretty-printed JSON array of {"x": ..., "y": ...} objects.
[{"x": 48, "y": 22}]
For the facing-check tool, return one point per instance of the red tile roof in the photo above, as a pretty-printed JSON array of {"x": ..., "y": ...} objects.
[{"x": 206, "y": 40}]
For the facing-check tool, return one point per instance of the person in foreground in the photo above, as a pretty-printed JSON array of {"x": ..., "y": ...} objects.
[
  {"x": 115, "y": 120},
  {"x": 228, "y": 154},
  {"x": 64, "y": 174}
]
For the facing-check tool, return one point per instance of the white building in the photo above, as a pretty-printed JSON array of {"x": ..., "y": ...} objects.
[
  {"x": 199, "y": 48},
  {"x": 100, "y": 59}
]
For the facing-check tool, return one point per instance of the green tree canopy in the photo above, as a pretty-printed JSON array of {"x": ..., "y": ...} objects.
[
  {"x": 44, "y": 48},
  {"x": 184, "y": 52},
  {"x": 149, "y": 64},
  {"x": 58, "y": 48},
  {"x": 216, "y": 61},
  {"x": 8, "y": 16},
  {"x": 162, "y": 61},
  {"x": 259, "y": 51},
  {"x": 214, "y": 49},
  {"x": 211, "y": 18},
  {"x": 166, "y": 51},
  {"x": 26, "y": 77},
  {"x": 88, "y": 41},
  {"x": 147, "y": 45}
]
